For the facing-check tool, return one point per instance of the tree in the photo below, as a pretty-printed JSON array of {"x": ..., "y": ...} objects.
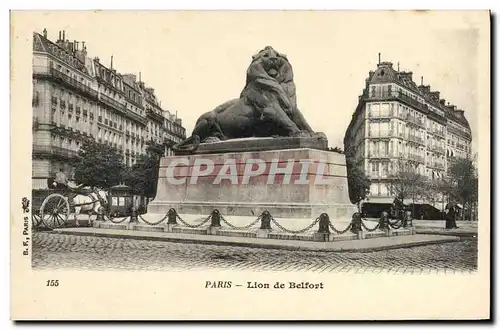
[
  {"x": 406, "y": 182},
  {"x": 98, "y": 165},
  {"x": 462, "y": 183},
  {"x": 143, "y": 175},
  {"x": 357, "y": 181},
  {"x": 336, "y": 149}
]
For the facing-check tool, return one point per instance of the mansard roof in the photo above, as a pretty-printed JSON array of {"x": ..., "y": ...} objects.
[
  {"x": 385, "y": 73},
  {"x": 42, "y": 44}
]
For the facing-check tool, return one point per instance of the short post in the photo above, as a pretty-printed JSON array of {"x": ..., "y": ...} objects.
[
  {"x": 356, "y": 225},
  {"x": 172, "y": 217},
  {"x": 408, "y": 222},
  {"x": 324, "y": 224},
  {"x": 323, "y": 233},
  {"x": 265, "y": 220},
  {"x": 383, "y": 222},
  {"x": 133, "y": 216},
  {"x": 215, "y": 218}
]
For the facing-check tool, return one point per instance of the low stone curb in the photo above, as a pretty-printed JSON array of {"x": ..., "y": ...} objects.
[{"x": 255, "y": 242}]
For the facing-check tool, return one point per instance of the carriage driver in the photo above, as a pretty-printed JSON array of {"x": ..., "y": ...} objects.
[{"x": 61, "y": 180}]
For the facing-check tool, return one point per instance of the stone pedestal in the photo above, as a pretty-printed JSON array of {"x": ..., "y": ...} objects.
[{"x": 293, "y": 183}]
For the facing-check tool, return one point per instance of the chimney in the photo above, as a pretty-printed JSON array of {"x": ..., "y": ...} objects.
[
  {"x": 378, "y": 58},
  {"x": 140, "y": 76},
  {"x": 111, "y": 67},
  {"x": 398, "y": 66},
  {"x": 44, "y": 32},
  {"x": 442, "y": 101},
  {"x": 64, "y": 35},
  {"x": 60, "y": 38},
  {"x": 83, "y": 45},
  {"x": 422, "y": 80},
  {"x": 435, "y": 96}
]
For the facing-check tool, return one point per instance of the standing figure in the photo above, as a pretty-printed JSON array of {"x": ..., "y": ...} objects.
[{"x": 451, "y": 214}]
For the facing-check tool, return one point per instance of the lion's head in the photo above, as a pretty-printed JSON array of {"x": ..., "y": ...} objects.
[
  {"x": 270, "y": 60},
  {"x": 275, "y": 64}
]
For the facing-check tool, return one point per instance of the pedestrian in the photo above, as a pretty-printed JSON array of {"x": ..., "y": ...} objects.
[{"x": 451, "y": 214}]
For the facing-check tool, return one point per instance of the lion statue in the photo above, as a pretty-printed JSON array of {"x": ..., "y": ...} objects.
[{"x": 267, "y": 107}]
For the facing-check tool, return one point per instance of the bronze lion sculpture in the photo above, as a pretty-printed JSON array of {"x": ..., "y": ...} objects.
[{"x": 267, "y": 107}]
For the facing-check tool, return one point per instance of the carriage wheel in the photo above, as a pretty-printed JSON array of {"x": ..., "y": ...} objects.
[
  {"x": 54, "y": 211},
  {"x": 35, "y": 219}
]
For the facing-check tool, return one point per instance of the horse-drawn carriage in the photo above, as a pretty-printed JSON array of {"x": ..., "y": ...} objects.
[{"x": 52, "y": 208}]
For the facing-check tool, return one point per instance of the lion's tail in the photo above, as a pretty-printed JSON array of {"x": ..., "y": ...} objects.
[{"x": 188, "y": 145}]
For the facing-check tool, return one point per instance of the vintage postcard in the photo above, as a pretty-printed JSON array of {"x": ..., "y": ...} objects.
[{"x": 250, "y": 165}]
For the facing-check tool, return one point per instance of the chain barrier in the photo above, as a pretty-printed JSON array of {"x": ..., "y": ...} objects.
[
  {"x": 238, "y": 228},
  {"x": 153, "y": 223},
  {"x": 207, "y": 219},
  {"x": 340, "y": 232},
  {"x": 113, "y": 220},
  {"x": 295, "y": 231},
  {"x": 368, "y": 229},
  {"x": 394, "y": 225}
]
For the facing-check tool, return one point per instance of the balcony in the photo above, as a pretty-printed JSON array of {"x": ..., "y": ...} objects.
[
  {"x": 380, "y": 134},
  {"x": 54, "y": 151},
  {"x": 112, "y": 102},
  {"x": 416, "y": 158},
  {"x": 416, "y": 139},
  {"x": 377, "y": 155},
  {"x": 456, "y": 131},
  {"x": 156, "y": 116},
  {"x": 437, "y": 149},
  {"x": 60, "y": 76},
  {"x": 396, "y": 96},
  {"x": 415, "y": 120},
  {"x": 437, "y": 165},
  {"x": 437, "y": 132}
]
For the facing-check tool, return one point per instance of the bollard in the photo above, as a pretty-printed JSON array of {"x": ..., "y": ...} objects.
[
  {"x": 324, "y": 224},
  {"x": 384, "y": 221},
  {"x": 215, "y": 218},
  {"x": 133, "y": 217},
  {"x": 172, "y": 217},
  {"x": 356, "y": 223},
  {"x": 265, "y": 220},
  {"x": 408, "y": 222}
]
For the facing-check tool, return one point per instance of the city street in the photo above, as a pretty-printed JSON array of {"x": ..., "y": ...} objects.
[{"x": 51, "y": 250}]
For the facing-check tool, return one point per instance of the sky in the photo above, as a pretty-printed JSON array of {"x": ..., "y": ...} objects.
[{"x": 196, "y": 61}]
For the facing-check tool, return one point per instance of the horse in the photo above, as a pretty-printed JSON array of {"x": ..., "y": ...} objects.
[{"x": 89, "y": 203}]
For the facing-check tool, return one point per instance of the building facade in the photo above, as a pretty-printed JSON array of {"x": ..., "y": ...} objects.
[
  {"x": 397, "y": 121},
  {"x": 76, "y": 97}
]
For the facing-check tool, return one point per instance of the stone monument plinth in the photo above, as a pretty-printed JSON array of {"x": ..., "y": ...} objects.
[{"x": 295, "y": 183}]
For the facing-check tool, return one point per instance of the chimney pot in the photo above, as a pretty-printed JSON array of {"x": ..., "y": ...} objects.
[{"x": 64, "y": 35}]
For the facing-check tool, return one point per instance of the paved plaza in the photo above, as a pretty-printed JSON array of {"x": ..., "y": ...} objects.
[{"x": 61, "y": 251}]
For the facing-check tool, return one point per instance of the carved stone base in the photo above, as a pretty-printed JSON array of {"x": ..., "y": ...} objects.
[{"x": 296, "y": 193}]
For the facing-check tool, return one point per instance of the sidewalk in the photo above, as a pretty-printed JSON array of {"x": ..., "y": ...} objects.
[
  {"x": 365, "y": 245},
  {"x": 437, "y": 227}
]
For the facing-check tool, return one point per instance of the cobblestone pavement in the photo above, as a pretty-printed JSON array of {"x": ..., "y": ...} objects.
[{"x": 51, "y": 250}]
